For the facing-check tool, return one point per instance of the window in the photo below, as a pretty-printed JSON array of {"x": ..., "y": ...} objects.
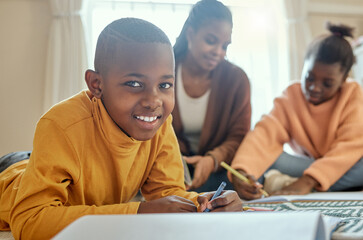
[{"x": 258, "y": 38}]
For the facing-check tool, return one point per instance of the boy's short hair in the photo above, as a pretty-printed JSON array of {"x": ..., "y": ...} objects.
[{"x": 124, "y": 30}]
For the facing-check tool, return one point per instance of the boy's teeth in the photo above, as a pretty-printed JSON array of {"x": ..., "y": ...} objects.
[{"x": 146, "y": 119}]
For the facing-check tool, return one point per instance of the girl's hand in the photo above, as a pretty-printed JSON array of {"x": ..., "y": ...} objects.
[
  {"x": 302, "y": 186},
  {"x": 170, "y": 204},
  {"x": 247, "y": 191},
  {"x": 203, "y": 167},
  {"x": 228, "y": 201}
]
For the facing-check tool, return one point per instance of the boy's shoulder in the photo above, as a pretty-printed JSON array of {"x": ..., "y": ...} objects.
[{"x": 71, "y": 110}]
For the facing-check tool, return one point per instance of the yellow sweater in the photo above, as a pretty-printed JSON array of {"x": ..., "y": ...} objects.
[
  {"x": 82, "y": 164},
  {"x": 331, "y": 133}
]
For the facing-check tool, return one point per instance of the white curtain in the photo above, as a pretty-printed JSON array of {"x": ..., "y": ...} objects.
[
  {"x": 67, "y": 52},
  {"x": 299, "y": 35}
]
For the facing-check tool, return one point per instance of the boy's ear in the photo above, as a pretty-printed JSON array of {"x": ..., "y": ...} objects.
[{"x": 94, "y": 83}]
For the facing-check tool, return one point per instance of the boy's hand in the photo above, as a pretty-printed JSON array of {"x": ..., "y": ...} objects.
[
  {"x": 247, "y": 191},
  {"x": 303, "y": 185},
  {"x": 170, "y": 204},
  {"x": 203, "y": 167},
  {"x": 228, "y": 201}
]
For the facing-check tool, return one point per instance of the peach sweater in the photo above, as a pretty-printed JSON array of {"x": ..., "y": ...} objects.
[
  {"x": 82, "y": 164},
  {"x": 331, "y": 133}
]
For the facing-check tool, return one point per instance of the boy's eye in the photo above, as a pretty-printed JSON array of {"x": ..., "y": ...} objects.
[
  {"x": 133, "y": 84},
  {"x": 166, "y": 85}
]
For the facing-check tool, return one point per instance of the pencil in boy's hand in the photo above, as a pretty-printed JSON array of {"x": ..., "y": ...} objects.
[
  {"x": 217, "y": 193},
  {"x": 241, "y": 177}
]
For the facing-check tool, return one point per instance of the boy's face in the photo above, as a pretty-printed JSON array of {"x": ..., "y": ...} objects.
[
  {"x": 208, "y": 45},
  {"x": 320, "y": 81},
  {"x": 138, "y": 91}
]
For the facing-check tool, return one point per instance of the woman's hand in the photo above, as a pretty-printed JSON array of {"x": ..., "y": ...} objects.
[
  {"x": 170, "y": 204},
  {"x": 228, "y": 201},
  {"x": 203, "y": 167},
  {"x": 302, "y": 186},
  {"x": 247, "y": 191}
]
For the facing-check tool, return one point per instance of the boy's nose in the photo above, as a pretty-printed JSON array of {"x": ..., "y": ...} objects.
[{"x": 151, "y": 101}]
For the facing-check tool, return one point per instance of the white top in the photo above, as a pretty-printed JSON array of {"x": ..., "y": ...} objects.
[{"x": 192, "y": 112}]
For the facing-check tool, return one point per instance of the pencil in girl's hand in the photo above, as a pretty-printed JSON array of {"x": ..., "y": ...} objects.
[
  {"x": 256, "y": 209},
  {"x": 241, "y": 177}
]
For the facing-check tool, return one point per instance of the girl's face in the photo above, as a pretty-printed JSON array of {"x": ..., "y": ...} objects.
[
  {"x": 208, "y": 45},
  {"x": 321, "y": 81},
  {"x": 138, "y": 91}
]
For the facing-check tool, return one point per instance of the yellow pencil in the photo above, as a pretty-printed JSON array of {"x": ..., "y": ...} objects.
[
  {"x": 241, "y": 177},
  {"x": 260, "y": 209}
]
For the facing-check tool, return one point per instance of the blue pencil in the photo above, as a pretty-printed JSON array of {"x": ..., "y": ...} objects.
[{"x": 217, "y": 193}]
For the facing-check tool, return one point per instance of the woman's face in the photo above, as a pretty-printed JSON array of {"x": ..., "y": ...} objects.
[{"x": 208, "y": 45}]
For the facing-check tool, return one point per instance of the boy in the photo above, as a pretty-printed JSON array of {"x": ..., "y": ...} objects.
[{"x": 94, "y": 151}]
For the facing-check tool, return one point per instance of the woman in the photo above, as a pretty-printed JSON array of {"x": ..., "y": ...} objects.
[{"x": 212, "y": 113}]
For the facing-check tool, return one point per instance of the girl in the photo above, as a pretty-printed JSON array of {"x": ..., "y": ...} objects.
[{"x": 320, "y": 118}]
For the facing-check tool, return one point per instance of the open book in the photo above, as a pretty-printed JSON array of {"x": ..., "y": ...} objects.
[
  {"x": 311, "y": 196},
  {"x": 346, "y": 206},
  {"x": 182, "y": 226},
  {"x": 187, "y": 177}
]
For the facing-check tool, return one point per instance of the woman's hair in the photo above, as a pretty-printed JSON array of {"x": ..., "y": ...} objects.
[
  {"x": 202, "y": 12},
  {"x": 333, "y": 48}
]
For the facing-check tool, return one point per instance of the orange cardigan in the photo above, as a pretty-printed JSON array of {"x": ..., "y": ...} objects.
[{"x": 331, "y": 132}]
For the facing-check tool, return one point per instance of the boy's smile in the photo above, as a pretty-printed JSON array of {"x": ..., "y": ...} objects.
[{"x": 138, "y": 88}]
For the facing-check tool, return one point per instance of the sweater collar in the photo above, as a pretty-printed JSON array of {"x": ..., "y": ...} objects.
[{"x": 108, "y": 128}]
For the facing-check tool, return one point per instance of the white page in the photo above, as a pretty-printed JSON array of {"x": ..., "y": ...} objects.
[
  {"x": 312, "y": 196},
  {"x": 330, "y": 223},
  {"x": 182, "y": 226}
]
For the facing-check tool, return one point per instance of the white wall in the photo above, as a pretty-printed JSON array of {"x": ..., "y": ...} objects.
[
  {"x": 24, "y": 26},
  {"x": 349, "y": 12}
]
